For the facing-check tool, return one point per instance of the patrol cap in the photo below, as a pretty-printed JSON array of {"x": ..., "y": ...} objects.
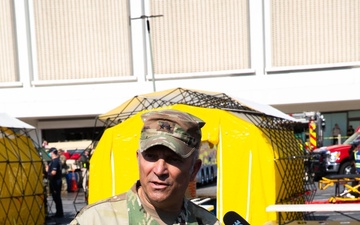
[
  {"x": 53, "y": 150},
  {"x": 179, "y": 131}
]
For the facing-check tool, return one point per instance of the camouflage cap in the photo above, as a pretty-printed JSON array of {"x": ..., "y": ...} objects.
[{"x": 179, "y": 131}]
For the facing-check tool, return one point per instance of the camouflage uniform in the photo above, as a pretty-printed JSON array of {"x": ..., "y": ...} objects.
[{"x": 127, "y": 209}]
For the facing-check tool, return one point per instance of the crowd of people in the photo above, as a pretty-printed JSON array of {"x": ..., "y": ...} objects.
[
  {"x": 59, "y": 174},
  {"x": 336, "y": 132}
]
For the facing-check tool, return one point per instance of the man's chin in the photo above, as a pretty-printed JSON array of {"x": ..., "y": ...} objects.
[{"x": 159, "y": 198}]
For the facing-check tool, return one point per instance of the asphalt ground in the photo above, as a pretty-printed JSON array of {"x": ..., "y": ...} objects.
[
  {"x": 74, "y": 201},
  {"x": 321, "y": 196}
]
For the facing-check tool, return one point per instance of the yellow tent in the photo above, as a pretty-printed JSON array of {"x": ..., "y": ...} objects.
[
  {"x": 21, "y": 175},
  {"x": 253, "y": 151}
]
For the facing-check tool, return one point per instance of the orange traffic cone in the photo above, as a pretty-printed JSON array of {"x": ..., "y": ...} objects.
[{"x": 74, "y": 186}]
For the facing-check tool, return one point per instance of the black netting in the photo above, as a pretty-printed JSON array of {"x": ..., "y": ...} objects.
[
  {"x": 178, "y": 96},
  {"x": 291, "y": 163},
  {"x": 21, "y": 179}
]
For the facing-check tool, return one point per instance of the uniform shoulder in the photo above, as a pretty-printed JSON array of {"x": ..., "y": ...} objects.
[
  {"x": 99, "y": 211},
  {"x": 202, "y": 214},
  {"x": 113, "y": 199}
]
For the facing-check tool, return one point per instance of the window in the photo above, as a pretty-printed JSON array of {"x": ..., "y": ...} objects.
[
  {"x": 82, "y": 39},
  {"x": 200, "y": 35},
  {"x": 8, "y": 57},
  {"x": 314, "y": 32}
]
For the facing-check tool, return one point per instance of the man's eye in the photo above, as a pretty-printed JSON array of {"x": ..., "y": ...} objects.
[
  {"x": 175, "y": 159},
  {"x": 150, "y": 157}
]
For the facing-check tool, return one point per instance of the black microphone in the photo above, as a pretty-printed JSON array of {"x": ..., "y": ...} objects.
[{"x": 233, "y": 218}]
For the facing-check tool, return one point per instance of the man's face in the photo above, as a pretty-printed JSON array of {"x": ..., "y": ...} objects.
[
  {"x": 164, "y": 176},
  {"x": 52, "y": 155}
]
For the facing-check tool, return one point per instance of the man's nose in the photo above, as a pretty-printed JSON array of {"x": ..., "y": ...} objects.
[{"x": 160, "y": 167}]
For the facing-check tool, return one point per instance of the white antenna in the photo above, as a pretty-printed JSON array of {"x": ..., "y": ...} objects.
[{"x": 150, "y": 46}]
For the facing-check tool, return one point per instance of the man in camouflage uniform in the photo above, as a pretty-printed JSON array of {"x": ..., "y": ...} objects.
[{"x": 168, "y": 161}]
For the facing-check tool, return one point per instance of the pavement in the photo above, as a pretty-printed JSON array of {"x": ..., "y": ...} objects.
[
  {"x": 321, "y": 196},
  {"x": 72, "y": 203},
  {"x": 352, "y": 217}
]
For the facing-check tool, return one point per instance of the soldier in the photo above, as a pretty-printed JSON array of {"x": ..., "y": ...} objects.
[
  {"x": 168, "y": 161},
  {"x": 84, "y": 165}
]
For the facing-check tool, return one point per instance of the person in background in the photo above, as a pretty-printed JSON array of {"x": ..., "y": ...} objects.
[
  {"x": 55, "y": 181},
  {"x": 168, "y": 159},
  {"x": 66, "y": 154},
  {"x": 45, "y": 144},
  {"x": 336, "y": 131},
  {"x": 354, "y": 157},
  {"x": 350, "y": 131},
  {"x": 64, "y": 169},
  {"x": 84, "y": 165}
]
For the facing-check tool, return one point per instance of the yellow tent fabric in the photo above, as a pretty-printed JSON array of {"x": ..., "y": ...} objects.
[
  {"x": 246, "y": 174},
  {"x": 21, "y": 179}
]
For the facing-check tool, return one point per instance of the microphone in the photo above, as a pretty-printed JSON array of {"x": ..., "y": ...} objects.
[{"x": 233, "y": 218}]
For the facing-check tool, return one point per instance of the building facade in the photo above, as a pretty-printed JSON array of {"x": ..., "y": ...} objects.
[{"x": 64, "y": 62}]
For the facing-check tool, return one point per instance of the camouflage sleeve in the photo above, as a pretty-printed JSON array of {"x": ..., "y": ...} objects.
[
  {"x": 202, "y": 215},
  {"x": 110, "y": 211},
  {"x": 74, "y": 222}
]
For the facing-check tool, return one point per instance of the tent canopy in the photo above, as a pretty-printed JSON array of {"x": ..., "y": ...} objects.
[
  {"x": 200, "y": 98},
  {"x": 11, "y": 122}
]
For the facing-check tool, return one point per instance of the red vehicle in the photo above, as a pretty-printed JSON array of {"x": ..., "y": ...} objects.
[
  {"x": 76, "y": 154},
  {"x": 335, "y": 158}
]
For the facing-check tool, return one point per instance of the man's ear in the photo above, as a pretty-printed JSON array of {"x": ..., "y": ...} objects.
[{"x": 196, "y": 168}]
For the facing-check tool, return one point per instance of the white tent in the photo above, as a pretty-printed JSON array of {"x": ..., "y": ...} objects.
[{"x": 8, "y": 121}]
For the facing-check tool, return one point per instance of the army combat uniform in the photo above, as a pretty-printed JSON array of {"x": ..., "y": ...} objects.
[{"x": 127, "y": 209}]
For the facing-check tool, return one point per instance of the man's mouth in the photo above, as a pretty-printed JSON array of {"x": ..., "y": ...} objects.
[{"x": 158, "y": 185}]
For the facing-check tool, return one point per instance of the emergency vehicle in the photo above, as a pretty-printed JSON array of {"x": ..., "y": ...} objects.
[
  {"x": 336, "y": 157},
  {"x": 310, "y": 132},
  {"x": 310, "y": 129}
]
